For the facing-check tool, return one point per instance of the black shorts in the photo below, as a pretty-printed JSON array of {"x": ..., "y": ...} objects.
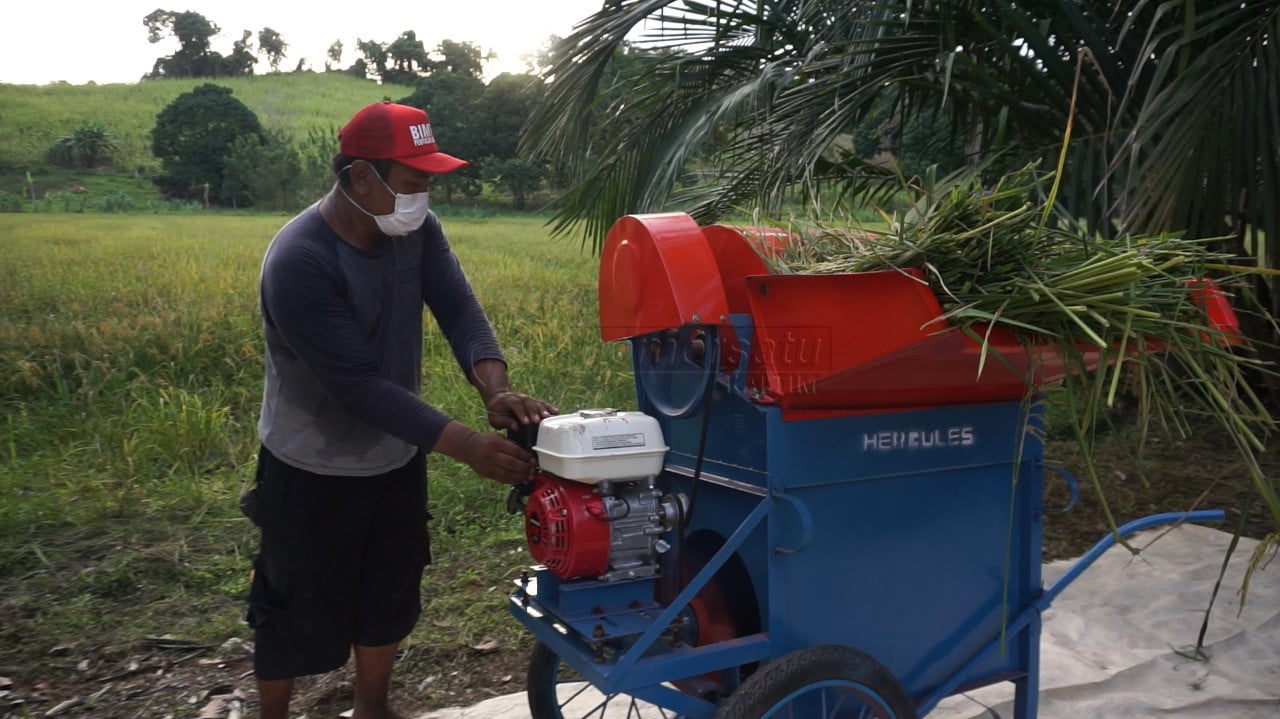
[{"x": 340, "y": 563}]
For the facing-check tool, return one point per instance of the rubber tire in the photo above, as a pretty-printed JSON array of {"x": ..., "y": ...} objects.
[
  {"x": 778, "y": 679},
  {"x": 541, "y": 683}
]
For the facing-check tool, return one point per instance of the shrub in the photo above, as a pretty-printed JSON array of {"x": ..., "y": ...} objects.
[
  {"x": 89, "y": 145},
  {"x": 192, "y": 137}
]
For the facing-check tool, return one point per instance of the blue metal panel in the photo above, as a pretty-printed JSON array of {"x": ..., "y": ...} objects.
[
  {"x": 907, "y": 530},
  {"x": 888, "y": 444},
  {"x": 736, "y": 446},
  {"x": 583, "y": 596},
  {"x": 666, "y": 664},
  {"x": 687, "y": 661},
  {"x": 748, "y": 528}
]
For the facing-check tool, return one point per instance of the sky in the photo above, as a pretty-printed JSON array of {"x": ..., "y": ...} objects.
[{"x": 104, "y": 41}]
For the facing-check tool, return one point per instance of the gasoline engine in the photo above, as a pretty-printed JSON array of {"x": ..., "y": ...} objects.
[{"x": 594, "y": 510}]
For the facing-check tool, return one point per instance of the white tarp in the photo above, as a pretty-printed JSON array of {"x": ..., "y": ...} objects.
[{"x": 1112, "y": 642}]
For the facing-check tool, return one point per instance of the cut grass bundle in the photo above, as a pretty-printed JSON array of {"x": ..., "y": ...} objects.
[{"x": 1127, "y": 313}]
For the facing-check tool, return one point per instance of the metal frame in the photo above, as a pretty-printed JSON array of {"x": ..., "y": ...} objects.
[{"x": 757, "y": 468}]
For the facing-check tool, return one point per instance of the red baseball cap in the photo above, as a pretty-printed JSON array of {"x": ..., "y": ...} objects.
[{"x": 387, "y": 131}]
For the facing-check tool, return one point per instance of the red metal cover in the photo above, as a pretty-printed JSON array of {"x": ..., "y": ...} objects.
[
  {"x": 738, "y": 252},
  {"x": 567, "y": 528},
  {"x": 874, "y": 340},
  {"x": 657, "y": 272}
]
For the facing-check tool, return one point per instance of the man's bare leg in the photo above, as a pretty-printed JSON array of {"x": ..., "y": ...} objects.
[
  {"x": 373, "y": 681},
  {"x": 273, "y": 698}
]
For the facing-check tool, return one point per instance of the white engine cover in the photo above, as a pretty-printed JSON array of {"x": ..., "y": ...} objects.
[{"x": 595, "y": 445}]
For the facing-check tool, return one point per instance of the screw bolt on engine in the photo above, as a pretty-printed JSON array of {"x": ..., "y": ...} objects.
[
  {"x": 597, "y": 634},
  {"x": 524, "y": 588}
]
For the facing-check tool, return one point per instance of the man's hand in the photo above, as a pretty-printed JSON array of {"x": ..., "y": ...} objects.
[
  {"x": 490, "y": 455},
  {"x": 495, "y": 457},
  {"x": 509, "y": 410}
]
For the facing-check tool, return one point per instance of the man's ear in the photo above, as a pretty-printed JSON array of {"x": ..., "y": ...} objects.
[{"x": 362, "y": 174}]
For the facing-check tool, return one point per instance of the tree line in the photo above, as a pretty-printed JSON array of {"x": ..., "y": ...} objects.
[
  {"x": 214, "y": 149},
  {"x": 195, "y": 56},
  {"x": 401, "y": 61},
  {"x": 243, "y": 164}
]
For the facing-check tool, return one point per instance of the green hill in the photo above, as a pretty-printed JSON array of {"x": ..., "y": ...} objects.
[{"x": 33, "y": 116}]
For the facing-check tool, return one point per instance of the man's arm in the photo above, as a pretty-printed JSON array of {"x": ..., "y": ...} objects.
[
  {"x": 506, "y": 409},
  {"x": 453, "y": 303},
  {"x": 448, "y": 294}
]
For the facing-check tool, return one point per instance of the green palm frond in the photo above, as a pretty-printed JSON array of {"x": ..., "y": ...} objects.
[
  {"x": 1205, "y": 141},
  {"x": 1174, "y": 104}
]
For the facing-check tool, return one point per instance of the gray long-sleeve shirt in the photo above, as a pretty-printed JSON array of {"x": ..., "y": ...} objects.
[{"x": 344, "y": 344}]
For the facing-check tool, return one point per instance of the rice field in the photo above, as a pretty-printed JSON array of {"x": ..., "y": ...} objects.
[{"x": 130, "y": 376}]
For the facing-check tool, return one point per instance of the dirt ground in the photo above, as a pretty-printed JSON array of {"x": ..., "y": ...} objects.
[{"x": 163, "y": 677}]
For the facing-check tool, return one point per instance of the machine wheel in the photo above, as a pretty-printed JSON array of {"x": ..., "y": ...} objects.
[
  {"x": 556, "y": 691},
  {"x": 820, "y": 682}
]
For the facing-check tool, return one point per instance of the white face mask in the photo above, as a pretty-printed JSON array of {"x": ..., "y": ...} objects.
[{"x": 409, "y": 214}]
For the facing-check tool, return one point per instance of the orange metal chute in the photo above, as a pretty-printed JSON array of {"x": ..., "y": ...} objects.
[
  {"x": 657, "y": 272},
  {"x": 739, "y": 253},
  {"x": 871, "y": 339}
]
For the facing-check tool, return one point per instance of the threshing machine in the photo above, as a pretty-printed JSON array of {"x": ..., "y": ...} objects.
[{"x": 820, "y": 509}]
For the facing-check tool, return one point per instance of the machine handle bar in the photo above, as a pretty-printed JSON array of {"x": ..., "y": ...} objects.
[
  {"x": 1041, "y": 603},
  {"x": 1137, "y": 525},
  {"x": 1073, "y": 488}
]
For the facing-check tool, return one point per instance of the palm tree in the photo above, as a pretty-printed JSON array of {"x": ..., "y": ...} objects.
[
  {"x": 88, "y": 145},
  {"x": 1170, "y": 106}
]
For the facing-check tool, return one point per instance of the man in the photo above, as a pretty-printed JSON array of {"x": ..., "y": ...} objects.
[{"x": 341, "y": 483}]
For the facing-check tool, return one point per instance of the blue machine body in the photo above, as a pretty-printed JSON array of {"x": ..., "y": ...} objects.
[
  {"x": 913, "y": 536},
  {"x": 910, "y": 535}
]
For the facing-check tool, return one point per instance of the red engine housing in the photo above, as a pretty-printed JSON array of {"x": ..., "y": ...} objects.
[{"x": 566, "y": 527}]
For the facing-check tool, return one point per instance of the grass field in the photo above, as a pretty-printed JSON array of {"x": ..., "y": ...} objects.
[
  {"x": 131, "y": 375},
  {"x": 35, "y": 115}
]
